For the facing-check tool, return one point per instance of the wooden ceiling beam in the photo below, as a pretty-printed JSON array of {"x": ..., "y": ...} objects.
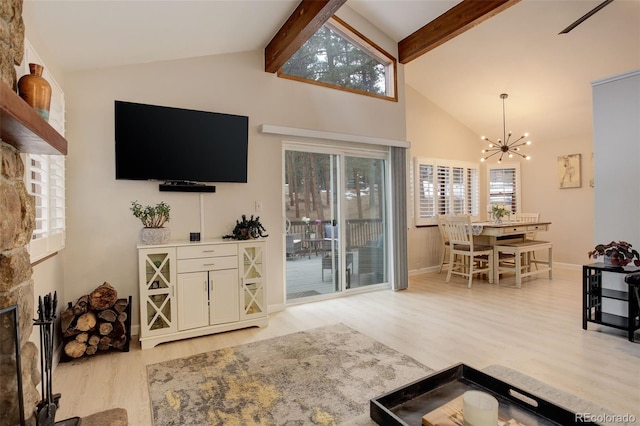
[
  {"x": 308, "y": 17},
  {"x": 455, "y": 21}
]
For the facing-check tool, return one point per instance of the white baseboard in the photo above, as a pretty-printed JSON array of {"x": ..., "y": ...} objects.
[{"x": 424, "y": 270}]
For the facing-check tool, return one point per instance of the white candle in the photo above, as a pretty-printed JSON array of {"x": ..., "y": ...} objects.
[{"x": 479, "y": 409}]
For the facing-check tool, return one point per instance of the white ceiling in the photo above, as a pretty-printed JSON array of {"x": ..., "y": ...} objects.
[{"x": 518, "y": 51}]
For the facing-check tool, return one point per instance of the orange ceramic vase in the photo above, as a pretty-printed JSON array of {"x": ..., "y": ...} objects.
[{"x": 35, "y": 90}]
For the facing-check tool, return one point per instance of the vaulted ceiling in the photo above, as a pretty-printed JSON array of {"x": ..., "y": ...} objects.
[{"x": 518, "y": 51}]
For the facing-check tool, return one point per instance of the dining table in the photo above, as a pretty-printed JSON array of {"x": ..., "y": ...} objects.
[{"x": 492, "y": 233}]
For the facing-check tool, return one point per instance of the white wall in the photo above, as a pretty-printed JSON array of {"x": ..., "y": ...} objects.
[
  {"x": 434, "y": 134},
  {"x": 102, "y": 232}
]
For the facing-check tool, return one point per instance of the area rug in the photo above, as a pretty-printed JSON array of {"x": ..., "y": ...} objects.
[{"x": 323, "y": 376}]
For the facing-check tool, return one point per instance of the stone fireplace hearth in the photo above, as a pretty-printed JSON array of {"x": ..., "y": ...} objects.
[{"x": 17, "y": 219}]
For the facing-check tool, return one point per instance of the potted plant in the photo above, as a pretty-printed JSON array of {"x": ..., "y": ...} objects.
[
  {"x": 153, "y": 219},
  {"x": 247, "y": 229},
  {"x": 617, "y": 253},
  {"x": 499, "y": 211}
]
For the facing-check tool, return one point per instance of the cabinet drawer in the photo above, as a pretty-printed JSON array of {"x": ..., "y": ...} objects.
[
  {"x": 515, "y": 229},
  {"x": 207, "y": 264},
  {"x": 207, "y": 250},
  {"x": 537, "y": 228}
]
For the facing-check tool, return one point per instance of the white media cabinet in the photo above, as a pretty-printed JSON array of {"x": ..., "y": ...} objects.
[{"x": 192, "y": 289}]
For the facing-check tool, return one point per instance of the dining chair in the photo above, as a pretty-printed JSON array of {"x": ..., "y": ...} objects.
[
  {"x": 528, "y": 218},
  {"x": 465, "y": 257},
  {"x": 445, "y": 242}
]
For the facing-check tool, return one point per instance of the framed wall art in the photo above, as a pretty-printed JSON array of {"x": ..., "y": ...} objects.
[{"x": 569, "y": 171}]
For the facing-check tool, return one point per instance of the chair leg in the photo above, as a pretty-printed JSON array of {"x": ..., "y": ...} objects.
[
  {"x": 518, "y": 260},
  {"x": 444, "y": 251},
  {"x": 450, "y": 268},
  {"x": 491, "y": 262}
]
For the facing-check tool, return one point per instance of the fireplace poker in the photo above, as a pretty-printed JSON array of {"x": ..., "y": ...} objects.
[{"x": 46, "y": 410}]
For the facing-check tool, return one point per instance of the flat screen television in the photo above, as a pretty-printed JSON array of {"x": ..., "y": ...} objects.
[{"x": 179, "y": 145}]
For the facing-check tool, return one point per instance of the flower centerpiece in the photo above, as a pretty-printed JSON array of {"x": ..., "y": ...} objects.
[
  {"x": 306, "y": 221},
  {"x": 499, "y": 211},
  {"x": 617, "y": 253}
]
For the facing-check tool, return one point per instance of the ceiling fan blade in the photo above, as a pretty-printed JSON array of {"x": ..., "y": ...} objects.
[{"x": 585, "y": 17}]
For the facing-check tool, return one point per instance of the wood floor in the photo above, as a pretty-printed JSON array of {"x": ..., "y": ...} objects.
[{"x": 536, "y": 329}]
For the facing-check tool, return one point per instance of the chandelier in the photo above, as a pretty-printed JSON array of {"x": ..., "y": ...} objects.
[{"x": 505, "y": 146}]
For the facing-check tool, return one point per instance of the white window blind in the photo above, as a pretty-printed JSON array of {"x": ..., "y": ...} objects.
[
  {"x": 504, "y": 186},
  {"x": 445, "y": 187},
  {"x": 46, "y": 182}
]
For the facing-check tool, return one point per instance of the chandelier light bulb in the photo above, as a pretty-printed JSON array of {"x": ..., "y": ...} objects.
[{"x": 505, "y": 145}]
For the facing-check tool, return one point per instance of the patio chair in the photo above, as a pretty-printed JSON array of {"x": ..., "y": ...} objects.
[{"x": 294, "y": 245}]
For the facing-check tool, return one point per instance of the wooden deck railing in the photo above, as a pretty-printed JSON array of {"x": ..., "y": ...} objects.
[{"x": 358, "y": 232}]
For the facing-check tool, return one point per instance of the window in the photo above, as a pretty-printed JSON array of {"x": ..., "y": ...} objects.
[
  {"x": 445, "y": 187},
  {"x": 338, "y": 56},
  {"x": 45, "y": 176},
  {"x": 504, "y": 185}
]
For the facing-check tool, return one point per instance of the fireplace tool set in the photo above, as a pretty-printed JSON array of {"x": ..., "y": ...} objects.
[{"x": 46, "y": 408}]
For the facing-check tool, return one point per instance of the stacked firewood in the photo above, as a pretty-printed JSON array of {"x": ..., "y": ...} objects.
[{"x": 96, "y": 322}]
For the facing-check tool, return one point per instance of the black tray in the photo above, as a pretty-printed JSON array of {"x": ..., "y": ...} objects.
[{"x": 407, "y": 405}]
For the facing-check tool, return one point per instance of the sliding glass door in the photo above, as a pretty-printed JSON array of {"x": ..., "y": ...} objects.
[
  {"x": 365, "y": 204},
  {"x": 312, "y": 232},
  {"x": 335, "y": 215}
]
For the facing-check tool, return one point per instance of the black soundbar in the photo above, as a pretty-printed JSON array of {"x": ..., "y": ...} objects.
[{"x": 186, "y": 187}]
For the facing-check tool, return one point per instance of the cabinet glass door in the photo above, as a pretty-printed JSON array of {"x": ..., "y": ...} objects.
[
  {"x": 252, "y": 292},
  {"x": 159, "y": 303}
]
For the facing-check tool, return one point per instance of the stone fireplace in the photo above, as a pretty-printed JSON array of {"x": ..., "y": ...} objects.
[
  {"x": 21, "y": 130},
  {"x": 17, "y": 219}
]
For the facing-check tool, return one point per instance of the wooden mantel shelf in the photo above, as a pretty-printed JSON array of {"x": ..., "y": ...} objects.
[{"x": 22, "y": 127}]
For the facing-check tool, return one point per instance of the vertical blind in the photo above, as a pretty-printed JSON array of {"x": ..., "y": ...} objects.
[{"x": 400, "y": 270}]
